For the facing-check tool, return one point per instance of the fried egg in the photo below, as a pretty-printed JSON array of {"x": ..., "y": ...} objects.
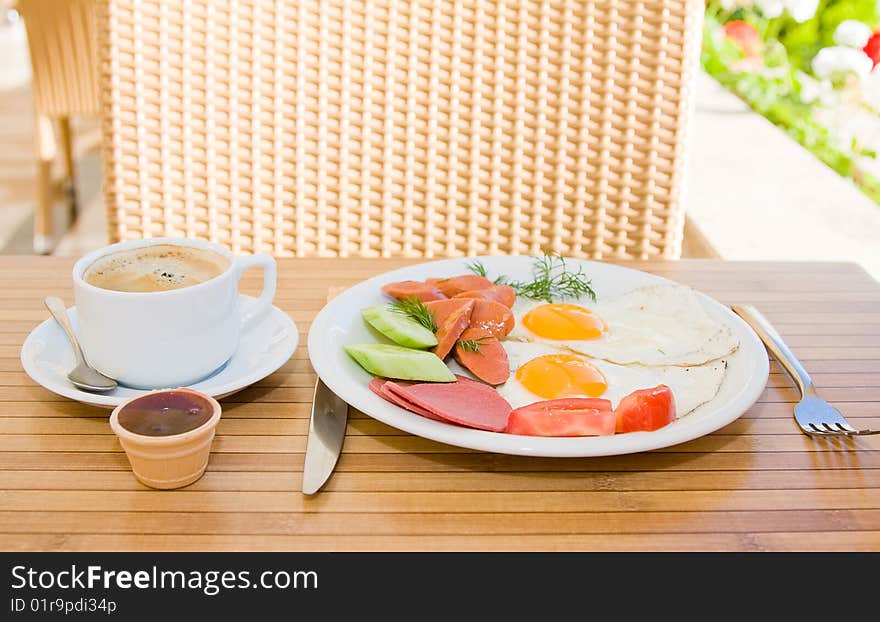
[
  {"x": 542, "y": 372},
  {"x": 656, "y": 325}
]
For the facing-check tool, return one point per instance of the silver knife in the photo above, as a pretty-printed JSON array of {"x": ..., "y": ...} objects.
[{"x": 326, "y": 433}]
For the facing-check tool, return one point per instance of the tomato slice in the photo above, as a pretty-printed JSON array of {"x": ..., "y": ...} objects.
[
  {"x": 575, "y": 416},
  {"x": 645, "y": 410}
]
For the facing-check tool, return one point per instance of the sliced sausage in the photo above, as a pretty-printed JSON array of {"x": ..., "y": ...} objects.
[
  {"x": 489, "y": 363},
  {"x": 452, "y": 326},
  {"x": 489, "y": 315},
  {"x": 417, "y": 289},
  {"x": 504, "y": 294},
  {"x": 458, "y": 284},
  {"x": 442, "y": 309}
]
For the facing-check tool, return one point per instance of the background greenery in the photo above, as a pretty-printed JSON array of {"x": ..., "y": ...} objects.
[{"x": 772, "y": 84}]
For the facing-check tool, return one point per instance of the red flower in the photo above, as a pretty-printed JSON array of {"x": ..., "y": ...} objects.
[
  {"x": 872, "y": 48},
  {"x": 744, "y": 35}
]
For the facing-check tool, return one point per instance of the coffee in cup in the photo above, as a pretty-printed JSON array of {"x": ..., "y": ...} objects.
[
  {"x": 155, "y": 268},
  {"x": 165, "y": 312}
]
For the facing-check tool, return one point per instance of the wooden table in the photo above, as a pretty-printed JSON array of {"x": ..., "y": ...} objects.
[{"x": 756, "y": 484}]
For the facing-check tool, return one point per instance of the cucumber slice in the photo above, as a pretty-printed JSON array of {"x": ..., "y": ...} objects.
[
  {"x": 390, "y": 361},
  {"x": 399, "y": 328}
]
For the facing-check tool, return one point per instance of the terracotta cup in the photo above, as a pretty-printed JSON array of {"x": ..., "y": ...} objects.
[{"x": 170, "y": 461}]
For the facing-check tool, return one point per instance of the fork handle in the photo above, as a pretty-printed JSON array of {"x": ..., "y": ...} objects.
[{"x": 776, "y": 346}]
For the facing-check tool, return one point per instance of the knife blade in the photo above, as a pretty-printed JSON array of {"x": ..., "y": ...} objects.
[{"x": 326, "y": 434}]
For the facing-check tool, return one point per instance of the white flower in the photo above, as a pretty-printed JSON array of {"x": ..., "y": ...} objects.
[
  {"x": 852, "y": 33},
  {"x": 871, "y": 89},
  {"x": 732, "y": 5},
  {"x": 812, "y": 90},
  {"x": 771, "y": 8},
  {"x": 838, "y": 60},
  {"x": 802, "y": 10}
]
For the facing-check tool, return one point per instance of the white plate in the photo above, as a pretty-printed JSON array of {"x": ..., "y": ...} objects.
[
  {"x": 264, "y": 347},
  {"x": 340, "y": 323}
]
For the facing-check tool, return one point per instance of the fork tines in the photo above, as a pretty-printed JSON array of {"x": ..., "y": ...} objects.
[{"x": 837, "y": 429}]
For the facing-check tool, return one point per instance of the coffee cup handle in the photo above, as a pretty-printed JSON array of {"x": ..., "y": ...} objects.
[{"x": 270, "y": 272}]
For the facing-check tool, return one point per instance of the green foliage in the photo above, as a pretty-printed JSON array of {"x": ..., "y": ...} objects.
[
  {"x": 803, "y": 41},
  {"x": 773, "y": 88}
]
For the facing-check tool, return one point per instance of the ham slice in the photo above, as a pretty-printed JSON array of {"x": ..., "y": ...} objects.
[
  {"x": 377, "y": 383},
  {"x": 378, "y": 386},
  {"x": 464, "y": 402}
]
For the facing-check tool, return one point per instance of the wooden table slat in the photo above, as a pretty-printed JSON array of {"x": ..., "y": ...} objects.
[{"x": 756, "y": 484}]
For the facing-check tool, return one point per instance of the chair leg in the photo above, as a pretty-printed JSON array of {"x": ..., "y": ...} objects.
[
  {"x": 43, "y": 211},
  {"x": 66, "y": 139},
  {"x": 45, "y": 151},
  {"x": 695, "y": 244}
]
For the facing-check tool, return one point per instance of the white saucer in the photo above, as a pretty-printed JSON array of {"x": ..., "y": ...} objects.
[{"x": 264, "y": 347}]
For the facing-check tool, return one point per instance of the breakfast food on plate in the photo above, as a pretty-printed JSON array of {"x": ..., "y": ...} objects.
[
  {"x": 504, "y": 294},
  {"x": 645, "y": 410},
  {"x": 452, "y": 320},
  {"x": 653, "y": 325},
  {"x": 399, "y": 328},
  {"x": 380, "y": 387},
  {"x": 465, "y": 402},
  {"x": 458, "y": 284},
  {"x": 493, "y": 317},
  {"x": 545, "y": 357},
  {"x": 539, "y": 371},
  {"x": 486, "y": 314},
  {"x": 413, "y": 289},
  {"x": 565, "y": 417},
  {"x": 480, "y": 352},
  {"x": 391, "y": 361}
]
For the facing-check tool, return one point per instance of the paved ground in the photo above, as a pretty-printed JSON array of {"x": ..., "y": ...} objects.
[{"x": 757, "y": 194}]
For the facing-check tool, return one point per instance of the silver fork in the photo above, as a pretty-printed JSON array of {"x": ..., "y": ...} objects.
[{"x": 814, "y": 415}]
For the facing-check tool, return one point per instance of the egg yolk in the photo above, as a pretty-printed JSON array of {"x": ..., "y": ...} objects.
[
  {"x": 561, "y": 375},
  {"x": 564, "y": 321}
]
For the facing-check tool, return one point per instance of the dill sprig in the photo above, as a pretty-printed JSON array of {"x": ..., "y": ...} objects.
[
  {"x": 414, "y": 308},
  {"x": 551, "y": 278},
  {"x": 473, "y": 345},
  {"x": 477, "y": 267}
]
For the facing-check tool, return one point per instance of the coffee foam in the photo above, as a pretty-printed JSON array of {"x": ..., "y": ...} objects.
[{"x": 157, "y": 268}]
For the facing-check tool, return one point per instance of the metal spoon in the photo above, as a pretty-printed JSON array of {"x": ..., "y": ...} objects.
[{"x": 82, "y": 376}]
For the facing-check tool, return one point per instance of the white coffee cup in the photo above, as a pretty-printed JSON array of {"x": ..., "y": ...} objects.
[{"x": 172, "y": 338}]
